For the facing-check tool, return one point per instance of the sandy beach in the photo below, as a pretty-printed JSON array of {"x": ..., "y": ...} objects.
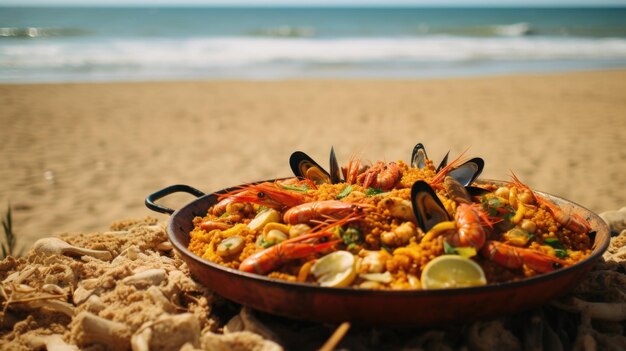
[
  {"x": 79, "y": 160},
  {"x": 76, "y": 157}
]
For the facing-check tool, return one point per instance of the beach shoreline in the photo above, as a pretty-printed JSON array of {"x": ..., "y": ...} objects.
[
  {"x": 52, "y": 44},
  {"x": 78, "y": 156}
]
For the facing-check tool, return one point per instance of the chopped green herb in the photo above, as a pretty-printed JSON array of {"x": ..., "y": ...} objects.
[
  {"x": 264, "y": 243},
  {"x": 373, "y": 191},
  {"x": 352, "y": 236},
  {"x": 559, "y": 249},
  {"x": 492, "y": 201},
  {"x": 554, "y": 242},
  {"x": 448, "y": 249},
  {"x": 345, "y": 192},
  {"x": 560, "y": 253},
  {"x": 466, "y": 252},
  {"x": 338, "y": 231},
  {"x": 497, "y": 208}
]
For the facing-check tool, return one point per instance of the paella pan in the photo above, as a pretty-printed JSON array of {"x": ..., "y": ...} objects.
[{"x": 385, "y": 243}]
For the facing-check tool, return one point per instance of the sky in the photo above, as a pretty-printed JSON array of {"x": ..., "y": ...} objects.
[{"x": 522, "y": 3}]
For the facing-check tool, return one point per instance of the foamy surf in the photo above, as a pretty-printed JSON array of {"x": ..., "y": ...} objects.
[{"x": 218, "y": 52}]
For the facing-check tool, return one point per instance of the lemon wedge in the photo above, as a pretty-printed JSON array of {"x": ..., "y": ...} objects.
[
  {"x": 337, "y": 269},
  {"x": 264, "y": 217},
  {"x": 452, "y": 271}
]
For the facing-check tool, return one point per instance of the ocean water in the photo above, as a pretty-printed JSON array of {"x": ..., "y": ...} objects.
[{"x": 130, "y": 44}]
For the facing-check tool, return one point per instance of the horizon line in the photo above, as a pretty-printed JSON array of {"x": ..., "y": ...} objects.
[{"x": 397, "y": 5}]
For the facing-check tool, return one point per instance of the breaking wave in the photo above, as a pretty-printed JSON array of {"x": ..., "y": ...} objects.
[{"x": 37, "y": 32}]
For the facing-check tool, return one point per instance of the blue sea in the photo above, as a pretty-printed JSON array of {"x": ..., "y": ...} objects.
[{"x": 169, "y": 43}]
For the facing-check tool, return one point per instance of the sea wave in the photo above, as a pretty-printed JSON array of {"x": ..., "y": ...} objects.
[
  {"x": 38, "y": 32},
  {"x": 514, "y": 30},
  {"x": 245, "y": 51},
  {"x": 284, "y": 31},
  {"x": 519, "y": 29},
  {"x": 283, "y": 57}
]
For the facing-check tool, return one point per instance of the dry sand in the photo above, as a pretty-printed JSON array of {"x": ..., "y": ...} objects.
[{"x": 76, "y": 157}]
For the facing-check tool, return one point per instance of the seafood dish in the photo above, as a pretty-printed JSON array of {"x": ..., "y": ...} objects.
[{"x": 390, "y": 226}]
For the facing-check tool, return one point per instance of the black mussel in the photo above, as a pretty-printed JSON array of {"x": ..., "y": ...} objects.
[
  {"x": 303, "y": 166},
  {"x": 335, "y": 171},
  {"x": 444, "y": 162},
  {"x": 467, "y": 173},
  {"x": 427, "y": 207},
  {"x": 476, "y": 191},
  {"x": 418, "y": 157}
]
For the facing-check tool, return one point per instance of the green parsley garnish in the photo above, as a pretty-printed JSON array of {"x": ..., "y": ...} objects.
[
  {"x": 497, "y": 208},
  {"x": 560, "y": 253},
  {"x": 373, "y": 191},
  {"x": 352, "y": 236},
  {"x": 559, "y": 249},
  {"x": 554, "y": 242},
  {"x": 466, "y": 252},
  {"x": 345, "y": 192},
  {"x": 264, "y": 243}
]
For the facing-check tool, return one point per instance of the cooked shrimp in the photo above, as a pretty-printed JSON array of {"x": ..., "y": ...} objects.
[
  {"x": 310, "y": 211},
  {"x": 516, "y": 257}
]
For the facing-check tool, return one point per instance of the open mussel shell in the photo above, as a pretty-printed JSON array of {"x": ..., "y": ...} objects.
[
  {"x": 467, "y": 173},
  {"x": 303, "y": 166},
  {"x": 335, "y": 171},
  {"x": 427, "y": 207},
  {"x": 476, "y": 190},
  {"x": 444, "y": 162},
  {"x": 418, "y": 157}
]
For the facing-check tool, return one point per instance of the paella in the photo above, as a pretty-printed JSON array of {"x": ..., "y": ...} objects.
[{"x": 390, "y": 225}]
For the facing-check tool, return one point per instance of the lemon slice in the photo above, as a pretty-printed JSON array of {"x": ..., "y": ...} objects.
[
  {"x": 264, "y": 217},
  {"x": 337, "y": 269},
  {"x": 452, "y": 271}
]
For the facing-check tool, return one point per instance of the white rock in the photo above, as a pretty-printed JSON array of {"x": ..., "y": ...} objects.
[
  {"x": 88, "y": 329},
  {"x": 52, "y": 342},
  {"x": 168, "y": 332},
  {"x": 615, "y": 219},
  {"x": 55, "y": 246},
  {"x": 146, "y": 278},
  {"x": 53, "y": 305}
]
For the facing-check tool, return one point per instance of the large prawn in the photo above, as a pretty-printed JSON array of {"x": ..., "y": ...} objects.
[
  {"x": 310, "y": 211},
  {"x": 516, "y": 257},
  {"x": 269, "y": 194},
  {"x": 382, "y": 175},
  {"x": 351, "y": 172},
  {"x": 573, "y": 222},
  {"x": 301, "y": 246},
  {"x": 467, "y": 230}
]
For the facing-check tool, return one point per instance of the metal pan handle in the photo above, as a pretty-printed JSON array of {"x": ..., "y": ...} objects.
[{"x": 150, "y": 200}]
